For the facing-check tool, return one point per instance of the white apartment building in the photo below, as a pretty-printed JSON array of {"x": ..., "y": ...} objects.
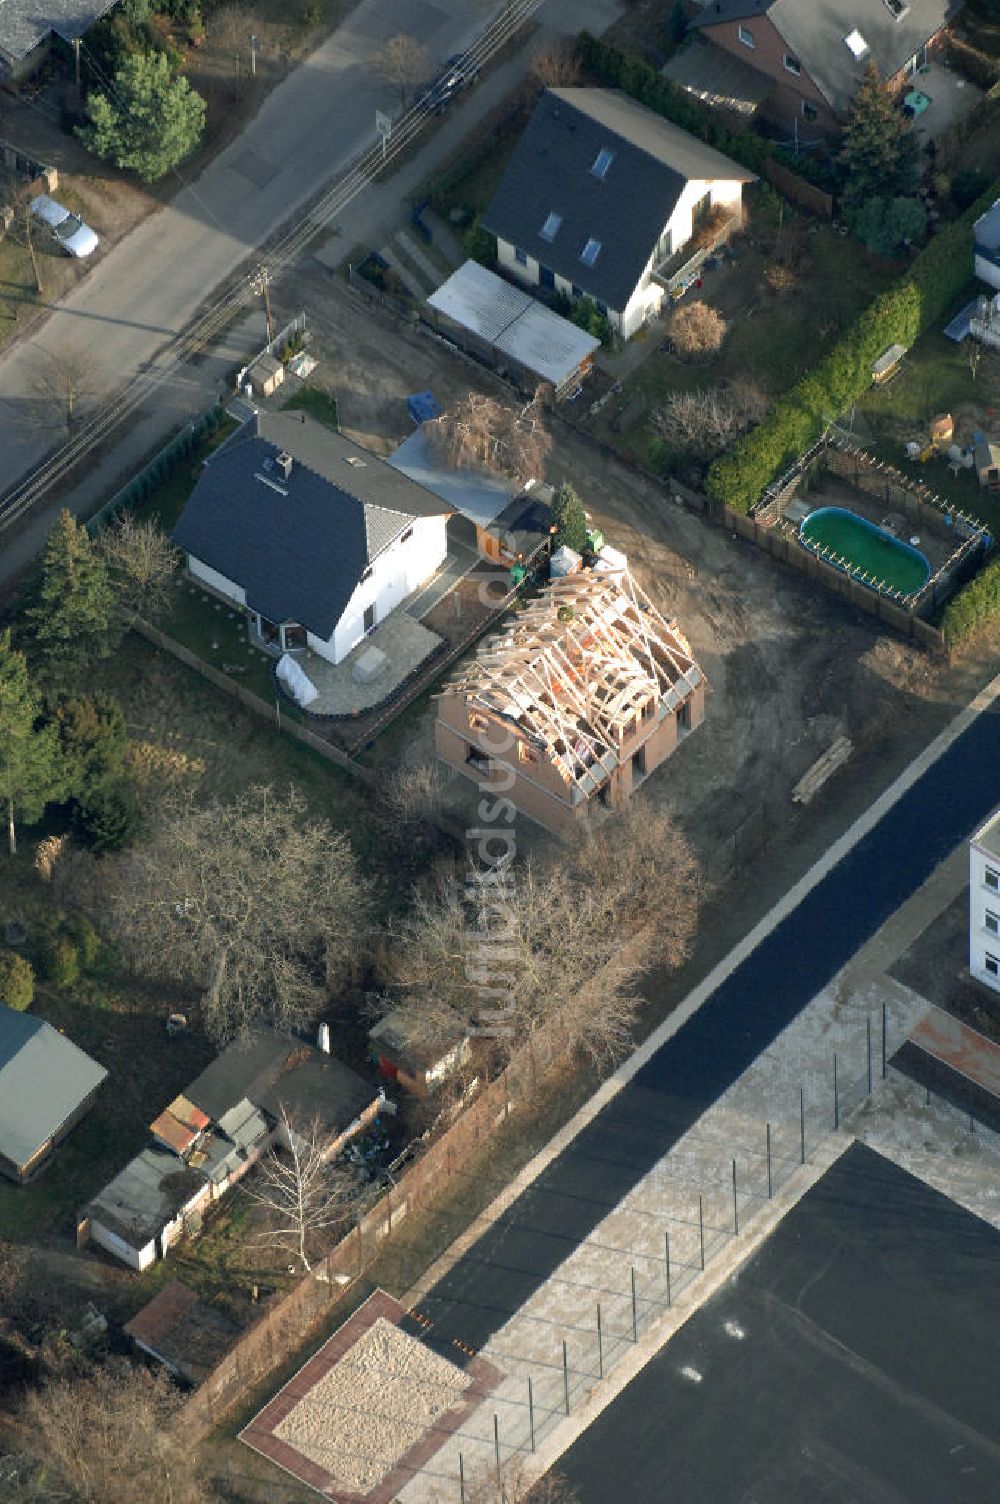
[{"x": 984, "y": 903}]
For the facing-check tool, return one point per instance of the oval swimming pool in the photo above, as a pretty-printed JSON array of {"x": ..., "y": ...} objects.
[{"x": 864, "y": 551}]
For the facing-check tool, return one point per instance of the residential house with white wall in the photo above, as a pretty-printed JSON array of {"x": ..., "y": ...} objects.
[
  {"x": 984, "y": 903},
  {"x": 598, "y": 197},
  {"x": 316, "y": 537}
]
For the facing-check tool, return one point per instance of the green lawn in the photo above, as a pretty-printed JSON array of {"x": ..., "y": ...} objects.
[
  {"x": 309, "y": 399},
  {"x": 217, "y": 632},
  {"x": 937, "y": 378}
]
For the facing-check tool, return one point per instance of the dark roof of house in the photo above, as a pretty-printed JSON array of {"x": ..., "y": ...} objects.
[
  {"x": 551, "y": 173},
  {"x": 44, "y": 1078},
  {"x": 298, "y": 546},
  {"x": 188, "y": 1334},
  {"x": 402, "y": 1038},
  {"x": 814, "y": 30},
  {"x": 23, "y": 24},
  {"x": 271, "y": 1070},
  {"x": 986, "y": 230}
]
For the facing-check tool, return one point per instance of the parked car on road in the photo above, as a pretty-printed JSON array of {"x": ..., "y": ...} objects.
[
  {"x": 66, "y": 229},
  {"x": 457, "y": 73}
]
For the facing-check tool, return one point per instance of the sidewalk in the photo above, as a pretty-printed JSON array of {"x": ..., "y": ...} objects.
[{"x": 140, "y": 264}]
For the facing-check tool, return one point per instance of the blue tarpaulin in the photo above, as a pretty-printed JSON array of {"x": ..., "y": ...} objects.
[{"x": 422, "y": 406}]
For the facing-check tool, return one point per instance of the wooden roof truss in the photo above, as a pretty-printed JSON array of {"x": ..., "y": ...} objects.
[{"x": 575, "y": 687}]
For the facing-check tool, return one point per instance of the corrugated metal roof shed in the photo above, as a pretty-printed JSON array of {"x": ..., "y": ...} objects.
[{"x": 44, "y": 1078}]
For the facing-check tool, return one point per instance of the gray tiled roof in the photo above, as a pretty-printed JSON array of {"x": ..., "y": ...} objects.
[
  {"x": 815, "y": 30},
  {"x": 298, "y": 547},
  {"x": 43, "y": 1080},
  {"x": 24, "y": 25},
  {"x": 626, "y": 210}
]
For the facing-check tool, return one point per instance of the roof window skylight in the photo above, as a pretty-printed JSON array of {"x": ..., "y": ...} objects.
[
  {"x": 590, "y": 252},
  {"x": 856, "y": 43},
  {"x": 550, "y": 228},
  {"x": 602, "y": 162}
]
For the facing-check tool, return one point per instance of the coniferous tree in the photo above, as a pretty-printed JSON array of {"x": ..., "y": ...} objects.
[
  {"x": 28, "y": 758},
  {"x": 74, "y": 615},
  {"x": 149, "y": 122},
  {"x": 879, "y": 151},
  {"x": 569, "y": 519}
]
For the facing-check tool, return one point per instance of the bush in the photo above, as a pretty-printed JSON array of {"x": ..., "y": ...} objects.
[
  {"x": 967, "y": 186},
  {"x": 107, "y": 817},
  {"x": 980, "y": 67},
  {"x": 60, "y": 961},
  {"x": 479, "y": 245},
  {"x": 17, "y": 982},
  {"x": 889, "y": 226},
  {"x": 975, "y": 607},
  {"x": 86, "y": 939},
  {"x": 697, "y": 330}
]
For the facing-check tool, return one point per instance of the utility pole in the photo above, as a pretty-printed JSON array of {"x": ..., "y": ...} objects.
[{"x": 260, "y": 287}]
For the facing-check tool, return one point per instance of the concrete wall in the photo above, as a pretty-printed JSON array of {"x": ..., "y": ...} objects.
[
  {"x": 216, "y": 581},
  {"x": 135, "y": 1258},
  {"x": 397, "y": 572},
  {"x": 984, "y": 916}
]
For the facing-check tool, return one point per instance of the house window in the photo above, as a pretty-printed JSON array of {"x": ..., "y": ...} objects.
[
  {"x": 295, "y": 637},
  {"x": 856, "y": 44},
  {"x": 809, "y": 111},
  {"x": 590, "y": 252},
  {"x": 746, "y": 37},
  {"x": 993, "y": 965},
  {"x": 602, "y": 162},
  {"x": 991, "y": 878},
  {"x": 526, "y": 753},
  {"x": 546, "y": 278},
  {"x": 369, "y": 617},
  {"x": 577, "y": 291},
  {"x": 602, "y": 308},
  {"x": 477, "y": 759},
  {"x": 683, "y": 718},
  {"x": 792, "y": 64},
  {"x": 992, "y": 922},
  {"x": 367, "y": 574},
  {"x": 550, "y": 228},
  {"x": 521, "y": 257},
  {"x": 407, "y": 535}
]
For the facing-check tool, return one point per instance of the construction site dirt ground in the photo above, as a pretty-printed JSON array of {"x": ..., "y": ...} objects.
[{"x": 789, "y": 666}]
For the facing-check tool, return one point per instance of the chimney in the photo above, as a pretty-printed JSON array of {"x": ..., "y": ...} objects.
[
  {"x": 323, "y": 1038},
  {"x": 284, "y": 463}
]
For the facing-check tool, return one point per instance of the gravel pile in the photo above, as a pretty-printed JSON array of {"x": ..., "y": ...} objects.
[{"x": 372, "y": 1406}]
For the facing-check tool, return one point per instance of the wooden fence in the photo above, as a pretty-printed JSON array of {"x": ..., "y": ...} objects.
[
  {"x": 800, "y": 192},
  {"x": 249, "y": 700},
  {"x": 287, "y": 1321}
]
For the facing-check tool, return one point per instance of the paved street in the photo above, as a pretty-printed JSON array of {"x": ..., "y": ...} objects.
[{"x": 148, "y": 288}]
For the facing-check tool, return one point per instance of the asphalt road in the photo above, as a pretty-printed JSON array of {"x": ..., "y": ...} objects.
[
  {"x": 738, "y": 1021},
  {"x": 852, "y": 1360},
  {"x": 148, "y": 287}
]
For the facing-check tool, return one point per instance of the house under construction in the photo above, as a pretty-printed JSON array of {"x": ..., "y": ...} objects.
[{"x": 578, "y": 699}]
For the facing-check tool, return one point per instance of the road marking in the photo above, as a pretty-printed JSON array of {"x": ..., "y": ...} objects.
[{"x": 610, "y": 1088}]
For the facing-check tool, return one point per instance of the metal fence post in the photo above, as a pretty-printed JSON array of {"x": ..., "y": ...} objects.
[
  {"x": 461, "y": 1477},
  {"x": 565, "y": 1376},
  {"x": 666, "y": 1257},
  {"x": 836, "y": 1095},
  {"x": 883, "y": 1041},
  {"x": 769, "y": 1182},
  {"x": 868, "y": 1039},
  {"x": 701, "y": 1228},
  {"x": 736, "y": 1209},
  {"x": 635, "y": 1323},
  {"x": 531, "y": 1413},
  {"x": 496, "y": 1445},
  {"x": 802, "y": 1125},
  {"x": 600, "y": 1344}
]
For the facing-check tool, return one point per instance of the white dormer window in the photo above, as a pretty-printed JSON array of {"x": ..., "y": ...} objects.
[
  {"x": 590, "y": 252},
  {"x": 792, "y": 64},
  {"x": 602, "y": 162},
  {"x": 746, "y": 36},
  {"x": 550, "y": 228},
  {"x": 856, "y": 44}
]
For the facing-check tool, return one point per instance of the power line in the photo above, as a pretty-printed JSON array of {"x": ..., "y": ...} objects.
[{"x": 286, "y": 248}]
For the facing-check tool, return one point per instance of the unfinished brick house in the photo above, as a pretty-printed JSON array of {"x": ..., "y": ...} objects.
[{"x": 575, "y": 702}]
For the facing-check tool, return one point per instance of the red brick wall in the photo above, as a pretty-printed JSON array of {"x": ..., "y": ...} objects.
[{"x": 767, "y": 56}]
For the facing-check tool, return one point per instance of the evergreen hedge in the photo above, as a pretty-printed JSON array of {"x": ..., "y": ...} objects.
[
  {"x": 977, "y": 605},
  {"x": 918, "y": 302}
]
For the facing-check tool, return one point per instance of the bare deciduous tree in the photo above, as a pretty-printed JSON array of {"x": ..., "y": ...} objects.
[
  {"x": 520, "y": 944},
  {"x": 143, "y": 564},
  {"x": 556, "y": 65},
  {"x": 484, "y": 433},
  {"x": 308, "y": 1199},
  {"x": 107, "y": 1437},
  {"x": 697, "y": 329},
  {"x": 63, "y": 385},
  {"x": 705, "y": 422},
  {"x": 405, "y": 62},
  {"x": 256, "y": 901}
]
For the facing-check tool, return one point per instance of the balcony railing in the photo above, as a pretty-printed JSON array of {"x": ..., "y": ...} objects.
[{"x": 676, "y": 271}]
